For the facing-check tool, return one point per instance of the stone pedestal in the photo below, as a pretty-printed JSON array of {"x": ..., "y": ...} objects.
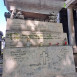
[
  {"x": 36, "y": 49},
  {"x": 38, "y": 61}
]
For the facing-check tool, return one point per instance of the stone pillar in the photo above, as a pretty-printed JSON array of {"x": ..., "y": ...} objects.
[{"x": 71, "y": 27}]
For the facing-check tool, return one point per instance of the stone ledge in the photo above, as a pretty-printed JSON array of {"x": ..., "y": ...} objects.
[
  {"x": 21, "y": 39},
  {"x": 18, "y": 24}
]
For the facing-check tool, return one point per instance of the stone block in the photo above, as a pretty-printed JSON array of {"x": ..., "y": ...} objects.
[
  {"x": 18, "y": 24},
  {"x": 36, "y": 6},
  {"x": 38, "y": 62},
  {"x": 21, "y": 38}
]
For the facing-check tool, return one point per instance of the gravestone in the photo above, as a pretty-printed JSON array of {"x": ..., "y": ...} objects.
[{"x": 36, "y": 49}]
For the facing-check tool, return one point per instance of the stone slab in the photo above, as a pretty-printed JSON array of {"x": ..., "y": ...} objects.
[
  {"x": 38, "y": 61},
  {"x": 20, "y": 39},
  {"x": 36, "y": 6},
  {"x": 42, "y": 7},
  {"x": 18, "y": 24}
]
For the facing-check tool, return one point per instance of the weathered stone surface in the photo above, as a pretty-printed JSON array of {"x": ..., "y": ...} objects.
[
  {"x": 58, "y": 75},
  {"x": 34, "y": 42},
  {"x": 20, "y": 39},
  {"x": 36, "y": 6},
  {"x": 18, "y": 24},
  {"x": 38, "y": 61}
]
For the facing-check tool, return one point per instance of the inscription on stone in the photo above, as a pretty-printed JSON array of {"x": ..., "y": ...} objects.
[
  {"x": 44, "y": 57},
  {"x": 36, "y": 48},
  {"x": 34, "y": 35},
  {"x": 20, "y": 39},
  {"x": 30, "y": 62}
]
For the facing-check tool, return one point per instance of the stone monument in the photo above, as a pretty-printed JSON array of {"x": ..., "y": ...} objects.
[{"x": 36, "y": 48}]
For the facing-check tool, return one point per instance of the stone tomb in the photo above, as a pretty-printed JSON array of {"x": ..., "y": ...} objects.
[
  {"x": 38, "y": 61},
  {"x": 20, "y": 38},
  {"x": 43, "y": 61},
  {"x": 18, "y": 24}
]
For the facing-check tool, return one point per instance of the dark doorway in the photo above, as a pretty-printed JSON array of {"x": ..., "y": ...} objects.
[{"x": 64, "y": 21}]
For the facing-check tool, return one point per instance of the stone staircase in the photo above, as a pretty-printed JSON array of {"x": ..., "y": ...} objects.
[{"x": 37, "y": 49}]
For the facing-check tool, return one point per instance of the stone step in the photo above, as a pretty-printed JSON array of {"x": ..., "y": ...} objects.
[
  {"x": 18, "y": 24},
  {"x": 21, "y": 39},
  {"x": 38, "y": 61}
]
